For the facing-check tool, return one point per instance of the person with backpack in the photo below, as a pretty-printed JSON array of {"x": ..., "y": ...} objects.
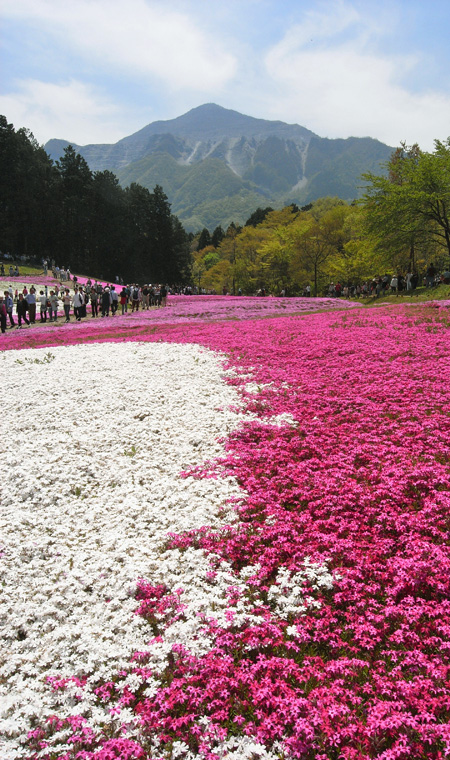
[
  {"x": 135, "y": 294},
  {"x": 78, "y": 302},
  {"x": 106, "y": 302}
]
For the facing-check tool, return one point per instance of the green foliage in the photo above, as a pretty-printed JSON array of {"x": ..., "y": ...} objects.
[
  {"x": 83, "y": 220},
  {"x": 407, "y": 212},
  {"x": 290, "y": 248},
  {"x": 258, "y": 216},
  {"x": 217, "y": 236},
  {"x": 204, "y": 239},
  {"x": 29, "y": 215}
]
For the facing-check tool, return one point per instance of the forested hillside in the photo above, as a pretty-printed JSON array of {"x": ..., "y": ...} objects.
[
  {"x": 85, "y": 220},
  {"x": 400, "y": 226},
  {"x": 217, "y": 165}
]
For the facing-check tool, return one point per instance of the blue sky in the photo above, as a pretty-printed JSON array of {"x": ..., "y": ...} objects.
[{"x": 94, "y": 71}]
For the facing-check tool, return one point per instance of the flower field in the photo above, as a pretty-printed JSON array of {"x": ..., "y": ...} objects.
[
  {"x": 228, "y": 538},
  {"x": 180, "y": 310}
]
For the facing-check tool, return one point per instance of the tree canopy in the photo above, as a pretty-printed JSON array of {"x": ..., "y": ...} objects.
[
  {"x": 85, "y": 220},
  {"x": 407, "y": 211}
]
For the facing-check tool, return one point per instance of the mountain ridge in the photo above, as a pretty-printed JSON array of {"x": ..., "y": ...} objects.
[{"x": 272, "y": 162}]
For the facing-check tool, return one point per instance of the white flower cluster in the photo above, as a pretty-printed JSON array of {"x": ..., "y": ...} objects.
[
  {"x": 97, "y": 436},
  {"x": 235, "y": 748},
  {"x": 95, "y": 439},
  {"x": 287, "y": 597}
]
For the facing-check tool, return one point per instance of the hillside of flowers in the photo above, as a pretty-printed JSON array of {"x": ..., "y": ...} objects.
[
  {"x": 236, "y": 542},
  {"x": 180, "y": 310}
]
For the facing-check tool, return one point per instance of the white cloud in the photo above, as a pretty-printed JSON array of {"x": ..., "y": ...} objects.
[
  {"x": 136, "y": 36},
  {"x": 329, "y": 75},
  {"x": 72, "y": 111},
  {"x": 339, "y": 72}
]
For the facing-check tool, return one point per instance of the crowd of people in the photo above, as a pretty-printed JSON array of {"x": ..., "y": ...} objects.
[
  {"x": 103, "y": 300},
  {"x": 390, "y": 284},
  {"x": 13, "y": 270}
]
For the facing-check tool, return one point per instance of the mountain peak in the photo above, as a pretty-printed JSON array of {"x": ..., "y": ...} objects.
[
  {"x": 218, "y": 165},
  {"x": 210, "y": 121}
]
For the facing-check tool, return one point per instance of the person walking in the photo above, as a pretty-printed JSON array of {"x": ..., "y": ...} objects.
[
  {"x": 106, "y": 302},
  {"x": 124, "y": 300},
  {"x": 67, "y": 301},
  {"x": 21, "y": 308},
  {"x": 394, "y": 284},
  {"x": 53, "y": 309},
  {"x": 146, "y": 297},
  {"x": 9, "y": 303},
  {"x": 2, "y": 314},
  {"x": 135, "y": 294},
  {"x": 31, "y": 301},
  {"x": 43, "y": 306},
  {"x": 114, "y": 300},
  {"x": 78, "y": 301},
  {"x": 94, "y": 303}
]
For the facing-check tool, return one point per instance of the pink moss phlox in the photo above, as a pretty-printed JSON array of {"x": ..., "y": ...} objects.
[{"x": 354, "y": 478}]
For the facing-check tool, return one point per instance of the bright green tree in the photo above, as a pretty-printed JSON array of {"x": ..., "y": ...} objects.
[
  {"x": 314, "y": 242},
  {"x": 408, "y": 211}
]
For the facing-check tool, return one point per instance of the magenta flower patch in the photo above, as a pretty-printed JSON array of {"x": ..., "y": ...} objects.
[{"x": 318, "y": 626}]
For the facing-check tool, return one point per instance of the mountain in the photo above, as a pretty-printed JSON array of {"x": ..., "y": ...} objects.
[{"x": 217, "y": 165}]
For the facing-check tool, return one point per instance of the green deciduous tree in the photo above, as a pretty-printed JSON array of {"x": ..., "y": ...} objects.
[
  {"x": 408, "y": 211},
  {"x": 314, "y": 242}
]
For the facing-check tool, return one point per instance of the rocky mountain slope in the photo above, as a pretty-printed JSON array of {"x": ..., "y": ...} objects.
[{"x": 217, "y": 165}]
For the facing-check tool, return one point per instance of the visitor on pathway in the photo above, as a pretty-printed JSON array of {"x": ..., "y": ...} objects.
[
  {"x": 31, "y": 304},
  {"x": 9, "y": 303},
  {"x": 106, "y": 302},
  {"x": 124, "y": 300},
  {"x": 53, "y": 309},
  {"x": 42, "y": 306},
  {"x": 78, "y": 302},
  {"x": 94, "y": 303},
  {"x": 135, "y": 297},
  {"x": 21, "y": 308},
  {"x": 67, "y": 302},
  {"x": 2, "y": 314},
  {"x": 114, "y": 300}
]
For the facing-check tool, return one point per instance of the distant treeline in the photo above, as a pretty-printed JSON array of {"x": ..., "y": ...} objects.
[{"x": 85, "y": 220}]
